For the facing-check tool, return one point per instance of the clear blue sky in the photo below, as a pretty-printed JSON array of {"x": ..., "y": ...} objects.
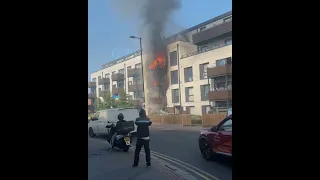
[{"x": 108, "y": 36}]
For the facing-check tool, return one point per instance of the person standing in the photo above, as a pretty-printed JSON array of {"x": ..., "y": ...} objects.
[{"x": 143, "y": 139}]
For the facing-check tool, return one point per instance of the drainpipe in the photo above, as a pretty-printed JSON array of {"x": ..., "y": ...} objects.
[{"x": 178, "y": 59}]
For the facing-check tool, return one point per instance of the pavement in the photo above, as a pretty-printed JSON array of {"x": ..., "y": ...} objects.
[{"x": 117, "y": 165}]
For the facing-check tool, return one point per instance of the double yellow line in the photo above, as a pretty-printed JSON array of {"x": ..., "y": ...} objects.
[{"x": 185, "y": 165}]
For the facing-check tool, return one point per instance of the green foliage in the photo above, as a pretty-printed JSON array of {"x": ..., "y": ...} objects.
[
  {"x": 123, "y": 101},
  {"x": 109, "y": 102}
]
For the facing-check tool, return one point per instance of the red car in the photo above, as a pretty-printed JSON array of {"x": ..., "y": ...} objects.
[{"x": 217, "y": 140}]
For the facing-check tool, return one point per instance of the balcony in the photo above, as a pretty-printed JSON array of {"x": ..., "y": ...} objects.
[
  {"x": 220, "y": 95},
  {"x": 92, "y": 85},
  {"x": 135, "y": 87},
  {"x": 117, "y": 90},
  {"x": 104, "y": 81},
  {"x": 219, "y": 71},
  {"x": 103, "y": 93},
  {"x": 134, "y": 72},
  {"x": 213, "y": 32},
  {"x": 92, "y": 95},
  {"x": 117, "y": 77}
]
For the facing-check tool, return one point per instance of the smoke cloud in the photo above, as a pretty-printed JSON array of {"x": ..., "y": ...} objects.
[{"x": 155, "y": 15}]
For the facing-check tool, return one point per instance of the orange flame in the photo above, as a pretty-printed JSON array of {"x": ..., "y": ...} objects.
[{"x": 158, "y": 62}]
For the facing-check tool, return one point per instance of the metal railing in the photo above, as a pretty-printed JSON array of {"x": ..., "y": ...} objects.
[{"x": 205, "y": 50}]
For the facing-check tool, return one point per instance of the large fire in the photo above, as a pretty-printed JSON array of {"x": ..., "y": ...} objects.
[{"x": 158, "y": 62}]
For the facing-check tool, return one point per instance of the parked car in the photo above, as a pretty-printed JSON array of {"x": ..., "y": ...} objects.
[
  {"x": 217, "y": 140},
  {"x": 98, "y": 123}
]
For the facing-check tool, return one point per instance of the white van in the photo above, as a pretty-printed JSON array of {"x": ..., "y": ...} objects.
[{"x": 98, "y": 123}]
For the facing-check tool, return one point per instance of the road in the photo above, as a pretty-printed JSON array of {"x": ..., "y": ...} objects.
[{"x": 183, "y": 145}]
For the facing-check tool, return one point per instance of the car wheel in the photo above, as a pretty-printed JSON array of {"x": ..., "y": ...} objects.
[
  {"x": 205, "y": 149},
  {"x": 91, "y": 133}
]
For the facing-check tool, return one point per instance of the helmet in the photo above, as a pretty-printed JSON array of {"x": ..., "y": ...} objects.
[{"x": 120, "y": 116}]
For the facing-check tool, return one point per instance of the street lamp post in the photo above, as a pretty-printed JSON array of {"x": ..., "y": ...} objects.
[{"x": 140, "y": 39}]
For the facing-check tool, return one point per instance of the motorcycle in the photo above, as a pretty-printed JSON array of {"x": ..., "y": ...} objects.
[{"x": 121, "y": 141}]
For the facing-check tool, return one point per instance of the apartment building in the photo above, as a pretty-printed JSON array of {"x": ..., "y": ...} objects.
[{"x": 199, "y": 70}]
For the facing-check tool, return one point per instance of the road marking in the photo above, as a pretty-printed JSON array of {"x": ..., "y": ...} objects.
[{"x": 185, "y": 165}]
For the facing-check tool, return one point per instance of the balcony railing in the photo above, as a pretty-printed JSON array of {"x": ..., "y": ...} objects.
[
  {"x": 212, "y": 32},
  {"x": 92, "y": 84},
  {"x": 219, "y": 71},
  {"x": 117, "y": 90},
  {"x": 135, "y": 87},
  {"x": 104, "y": 81},
  {"x": 222, "y": 94},
  {"x": 205, "y": 50},
  {"x": 117, "y": 77},
  {"x": 134, "y": 72}
]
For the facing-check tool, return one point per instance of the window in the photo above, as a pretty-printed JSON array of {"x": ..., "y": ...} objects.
[
  {"x": 223, "y": 62},
  {"x": 205, "y": 109},
  {"x": 227, "y": 19},
  {"x": 138, "y": 66},
  {"x": 94, "y": 79},
  {"x": 188, "y": 75},
  {"x": 189, "y": 94},
  {"x": 203, "y": 70},
  {"x": 121, "y": 84},
  {"x": 226, "y": 126},
  {"x": 205, "y": 92},
  {"x": 121, "y": 71},
  {"x": 228, "y": 42},
  {"x": 222, "y": 83},
  {"x": 129, "y": 67},
  {"x": 113, "y": 73},
  {"x": 175, "y": 95},
  {"x": 99, "y": 77},
  {"x": 221, "y": 104},
  {"x": 174, "y": 77},
  {"x": 173, "y": 58},
  {"x": 202, "y": 28},
  {"x": 107, "y": 75},
  {"x": 106, "y": 88}
]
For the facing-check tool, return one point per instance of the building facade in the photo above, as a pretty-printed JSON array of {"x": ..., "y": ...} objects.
[{"x": 199, "y": 70}]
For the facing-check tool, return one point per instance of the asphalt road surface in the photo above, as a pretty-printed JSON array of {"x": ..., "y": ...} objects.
[{"x": 183, "y": 145}]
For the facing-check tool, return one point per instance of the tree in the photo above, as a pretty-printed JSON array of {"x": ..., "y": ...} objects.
[
  {"x": 97, "y": 104},
  {"x": 108, "y": 101},
  {"x": 123, "y": 101}
]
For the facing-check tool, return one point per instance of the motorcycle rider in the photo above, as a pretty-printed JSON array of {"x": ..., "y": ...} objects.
[{"x": 115, "y": 130}]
